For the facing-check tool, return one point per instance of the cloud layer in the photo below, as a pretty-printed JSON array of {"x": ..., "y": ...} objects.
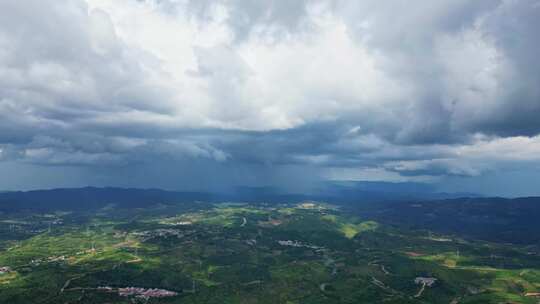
[{"x": 206, "y": 94}]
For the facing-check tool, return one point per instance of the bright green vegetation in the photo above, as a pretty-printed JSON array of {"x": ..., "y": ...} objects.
[{"x": 239, "y": 253}]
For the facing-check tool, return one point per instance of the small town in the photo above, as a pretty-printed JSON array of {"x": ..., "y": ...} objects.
[{"x": 138, "y": 292}]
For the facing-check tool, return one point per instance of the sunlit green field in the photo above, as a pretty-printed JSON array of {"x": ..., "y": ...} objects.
[{"x": 237, "y": 253}]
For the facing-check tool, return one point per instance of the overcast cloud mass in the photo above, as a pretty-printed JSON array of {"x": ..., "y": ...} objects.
[{"x": 206, "y": 95}]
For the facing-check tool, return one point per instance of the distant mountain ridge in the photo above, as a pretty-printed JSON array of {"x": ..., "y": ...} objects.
[{"x": 89, "y": 198}]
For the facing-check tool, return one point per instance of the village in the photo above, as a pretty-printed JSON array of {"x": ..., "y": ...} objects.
[{"x": 138, "y": 292}]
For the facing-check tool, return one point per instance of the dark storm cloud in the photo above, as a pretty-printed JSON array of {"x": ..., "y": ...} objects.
[
  {"x": 267, "y": 92},
  {"x": 513, "y": 28},
  {"x": 414, "y": 46}
]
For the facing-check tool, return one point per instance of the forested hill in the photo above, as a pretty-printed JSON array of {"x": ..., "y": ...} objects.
[
  {"x": 493, "y": 219},
  {"x": 90, "y": 198}
]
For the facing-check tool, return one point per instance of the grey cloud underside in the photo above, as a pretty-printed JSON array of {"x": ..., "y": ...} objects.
[{"x": 75, "y": 92}]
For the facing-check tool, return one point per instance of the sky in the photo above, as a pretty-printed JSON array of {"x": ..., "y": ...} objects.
[{"x": 214, "y": 94}]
